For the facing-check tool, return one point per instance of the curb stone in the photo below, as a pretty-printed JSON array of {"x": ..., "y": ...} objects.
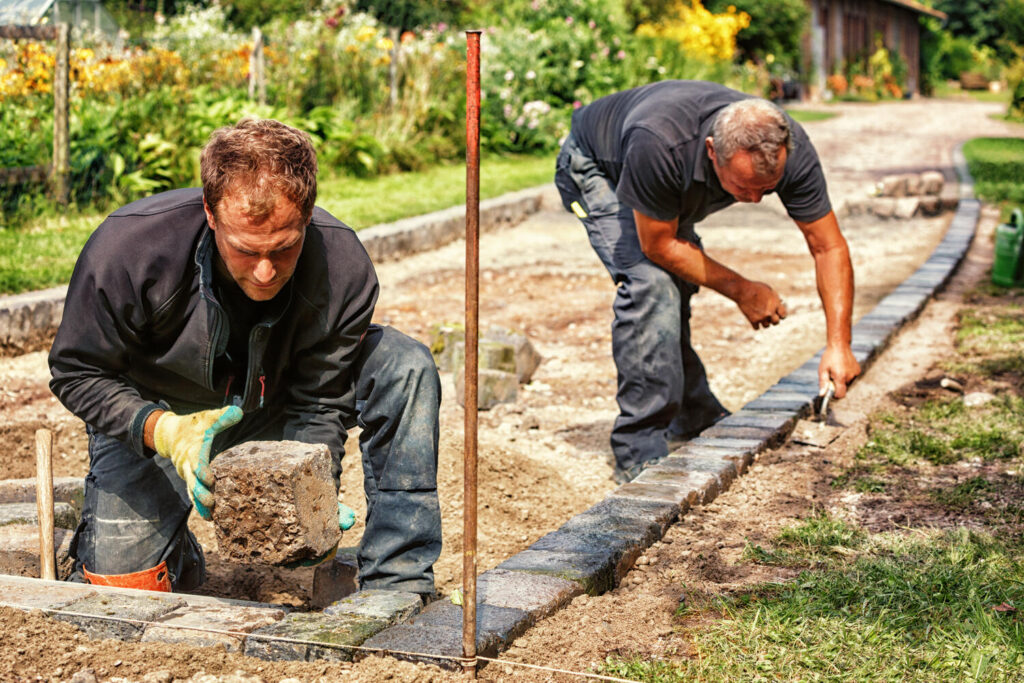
[{"x": 591, "y": 552}]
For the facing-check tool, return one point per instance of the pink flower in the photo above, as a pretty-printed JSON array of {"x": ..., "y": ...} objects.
[
  {"x": 621, "y": 54},
  {"x": 568, "y": 21},
  {"x": 332, "y": 22},
  {"x": 577, "y": 104}
]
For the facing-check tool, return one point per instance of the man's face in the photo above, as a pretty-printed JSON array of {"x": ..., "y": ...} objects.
[
  {"x": 738, "y": 177},
  {"x": 259, "y": 256}
]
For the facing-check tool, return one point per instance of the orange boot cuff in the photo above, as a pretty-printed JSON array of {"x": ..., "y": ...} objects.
[{"x": 154, "y": 579}]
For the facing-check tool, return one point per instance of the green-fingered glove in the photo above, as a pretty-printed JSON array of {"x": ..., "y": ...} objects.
[
  {"x": 346, "y": 518},
  {"x": 186, "y": 440}
]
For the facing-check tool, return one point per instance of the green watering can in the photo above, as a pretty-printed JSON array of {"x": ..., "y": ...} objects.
[{"x": 1008, "y": 266}]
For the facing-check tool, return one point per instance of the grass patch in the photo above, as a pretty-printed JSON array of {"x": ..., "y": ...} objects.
[
  {"x": 933, "y": 607},
  {"x": 810, "y": 115},
  {"x": 997, "y": 165},
  {"x": 952, "y": 89},
  {"x": 43, "y": 254}
]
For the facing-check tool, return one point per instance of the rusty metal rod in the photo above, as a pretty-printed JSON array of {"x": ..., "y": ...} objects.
[{"x": 472, "y": 335}]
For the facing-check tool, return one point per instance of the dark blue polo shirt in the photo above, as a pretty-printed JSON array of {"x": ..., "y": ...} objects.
[{"x": 649, "y": 141}]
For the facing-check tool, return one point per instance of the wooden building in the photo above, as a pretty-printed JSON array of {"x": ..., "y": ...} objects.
[{"x": 843, "y": 30}]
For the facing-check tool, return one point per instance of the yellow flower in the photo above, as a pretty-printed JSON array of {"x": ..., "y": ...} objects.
[
  {"x": 385, "y": 44},
  {"x": 366, "y": 34}
]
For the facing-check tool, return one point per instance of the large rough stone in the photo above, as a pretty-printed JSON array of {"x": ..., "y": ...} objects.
[
  {"x": 118, "y": 615},
  {"x": 893, "y": 186},
  {"x": 334, "y": 632},
  {"x": 19, "y": 550},
  {"x": 183, "y": 625},
  {"x": 391, "y": 607},
  {"x": 527, "y": 359},
  {"x": 275, "y": 502},
  {"x": 438, "y": 646},
  {"x": 491, "y": 355},
  {"x": 493, "y": 387},
  {"x": 495, "y": 626},
  {"x": 906, "y": 207},
  {"x": 64, "y": 515},
  {"x": 443, "y": 339}
]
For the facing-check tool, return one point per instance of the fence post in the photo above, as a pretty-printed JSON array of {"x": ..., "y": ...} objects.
[
  {"x": 257, "y": 71},
  {"x": 61, "y": 143}
]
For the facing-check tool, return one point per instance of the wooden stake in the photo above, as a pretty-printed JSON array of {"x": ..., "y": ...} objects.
[{"x": 44, "y": 503}]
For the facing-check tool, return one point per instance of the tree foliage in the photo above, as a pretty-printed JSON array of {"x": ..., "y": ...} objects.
[
  {"x": 775, "y": 29},
  {"x": 406, "y": 15}
]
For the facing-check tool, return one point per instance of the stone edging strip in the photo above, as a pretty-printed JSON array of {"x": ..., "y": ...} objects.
[
  {"x": 36, "y": 315},
  {"x": 590, "y": 553}
]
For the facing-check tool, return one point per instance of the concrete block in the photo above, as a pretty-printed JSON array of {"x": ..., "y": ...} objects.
[
  {"x": 700, "y": 488},
  {"x": 276, "y": 502},
  {"x": 728, "y": 443},
  {"x": 493, "y": 387},
  {"x": 64, "y": 515},
  {"x": 779, "y": 421},
  {"x": 65, "y": 490},
  {"x": 391, "y": 607},
  {"x": 181, "y": 625},
  {"x": 620, "y": 547},
  {"x": 914, "y": 185},
  {"x": 930, "y": 206},
  {"x": 441, "y": 647},
  {"x": 41, "y": 594},
  {"x": 496, "y": 627},
  {"x": 797, "y": 405},
  {"x": 527, "y": 359},
  {"x": 442, "y": 340},
  {"x": 741, "y": 458},
  {"x": 883, "y": 207},
  {"x": 19, "y": 550},
  {"x": 932, "y": 182},
  {"x": 538, "y": 596},
  {"x": 643, "y": 520},
  {"x": 335, "y": 578},
  {"x": 595, "y": 573},
  {"x": 491, "y": 355},
  {"x": 722, "y": 466},
  {"x": 635, "y": 490},
  {"x": 104, "y": 615},
  {"x": 906, "y": 207},
  {"x": 893, "y": 186},
  {"x": 332, "y": 633},
  {"x": 719, "y": 432}
]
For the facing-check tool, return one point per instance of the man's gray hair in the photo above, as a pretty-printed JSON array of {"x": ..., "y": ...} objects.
[{"x": 756, "y": 126}]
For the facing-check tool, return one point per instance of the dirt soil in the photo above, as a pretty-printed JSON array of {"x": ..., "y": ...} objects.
[{"x": 546, "y": 457}]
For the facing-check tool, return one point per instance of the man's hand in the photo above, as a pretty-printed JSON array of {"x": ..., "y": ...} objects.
[
  {"x": 838, "y": 366},
  {"x": 761, "y": 304},
  {"x": 186, "y": 441}
]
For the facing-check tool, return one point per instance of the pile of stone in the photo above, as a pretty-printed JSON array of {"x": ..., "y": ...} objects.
[
  {"x": 906, "y": 195},
  {"x": 506, "y": 359},
  {"x": 19, "y": 524}
]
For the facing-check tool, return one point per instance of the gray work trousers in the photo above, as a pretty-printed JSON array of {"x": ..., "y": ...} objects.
[
  {"x": 662, "y": 386},
  {"x": 136, "y": 509}
]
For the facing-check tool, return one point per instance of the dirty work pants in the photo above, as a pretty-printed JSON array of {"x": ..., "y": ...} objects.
[
  {"x": 136, "y": 509},
  {"x": 662, "y": 386}
]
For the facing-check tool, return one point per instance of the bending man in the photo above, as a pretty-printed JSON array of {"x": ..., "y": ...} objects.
[{"x": 640, "y": 168}]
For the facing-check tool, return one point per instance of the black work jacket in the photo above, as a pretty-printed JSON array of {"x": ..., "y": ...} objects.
[{"x": 142, "y": 327}]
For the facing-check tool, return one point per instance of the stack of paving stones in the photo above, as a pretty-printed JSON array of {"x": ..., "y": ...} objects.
[
  {"x": 19, "y": 524},
  {"x": 905, "y": 196},
  {"x": 590, "y": 553}
]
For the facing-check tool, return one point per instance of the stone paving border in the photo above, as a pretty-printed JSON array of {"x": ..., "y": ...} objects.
[
  {"x": 34, "y": 315},
  {"x": 589, "y": 553}
]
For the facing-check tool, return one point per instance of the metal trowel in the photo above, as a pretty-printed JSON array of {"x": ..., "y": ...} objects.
[{"x": 821, "y": 428}]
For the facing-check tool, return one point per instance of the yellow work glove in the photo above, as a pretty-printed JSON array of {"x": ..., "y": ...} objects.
[{"x": 186, "y": 440}]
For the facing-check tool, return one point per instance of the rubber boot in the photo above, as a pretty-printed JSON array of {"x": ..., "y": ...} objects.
[{"x": 154, "y": 579}]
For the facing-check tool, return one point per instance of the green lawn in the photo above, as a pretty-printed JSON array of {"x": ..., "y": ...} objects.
[
  {"x": 43, "y": 253},
  {"x": 810, "y": 115},
  {"x": 997, "y": 165},
  {"x": 952, "y": 89}
]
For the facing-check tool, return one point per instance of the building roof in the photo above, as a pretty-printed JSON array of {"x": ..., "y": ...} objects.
[
  {"x": 920, "y": 8},
  {"x": 23, "y": 12}
]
